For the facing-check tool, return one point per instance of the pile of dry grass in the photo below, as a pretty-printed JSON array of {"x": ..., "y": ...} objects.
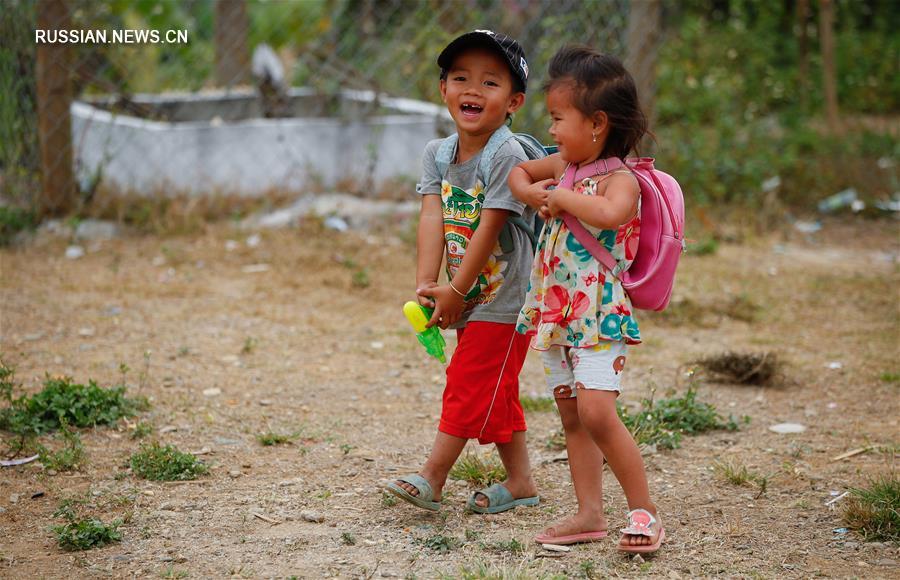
[{"x": 743, "y": 368}]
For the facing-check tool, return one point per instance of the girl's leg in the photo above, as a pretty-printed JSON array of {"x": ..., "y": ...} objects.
[
  {"x": 586, "y": 468},
  {"x": 597, "y": 412},
  {"x": 444, "y": 454}
]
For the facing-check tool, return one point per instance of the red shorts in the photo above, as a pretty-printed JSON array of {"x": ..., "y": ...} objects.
[{"x": 481, "y": 399}]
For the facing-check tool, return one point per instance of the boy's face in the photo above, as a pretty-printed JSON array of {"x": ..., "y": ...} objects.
[{"x": 479, "y": 91}]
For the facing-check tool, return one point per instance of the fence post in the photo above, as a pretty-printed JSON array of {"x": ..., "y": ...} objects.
[
  {"x": 54, "y": 100},
  {"x": 826, "y": 38},
  {"x": 232, "y": 55},
  {"x": 642, "y": 43}
]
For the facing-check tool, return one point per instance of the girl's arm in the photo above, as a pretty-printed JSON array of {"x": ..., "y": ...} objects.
[
  {"x": 450, "y": 305},
  {"x": 616, "y": 206},
  {"x": 528, "y": 181},
  {"x": 429, "y": 245}
]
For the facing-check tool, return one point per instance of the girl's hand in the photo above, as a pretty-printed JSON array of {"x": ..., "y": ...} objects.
[
  {"x": 535, "y": 195},
  {"x": 425, "y": 300},
  {"x": 448, "y": 308},
  {"x": 554, "y": 201},
  {"x": 544, "y": 213}
]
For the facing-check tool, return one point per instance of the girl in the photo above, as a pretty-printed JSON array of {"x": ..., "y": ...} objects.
[{"x": 576, "y": 308}]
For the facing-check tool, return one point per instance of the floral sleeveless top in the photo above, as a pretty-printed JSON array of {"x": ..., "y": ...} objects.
[{"x": 573, "y": 300}]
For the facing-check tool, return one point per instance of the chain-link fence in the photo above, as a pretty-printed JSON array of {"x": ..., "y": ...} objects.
[{"x": 168, "y": 97}]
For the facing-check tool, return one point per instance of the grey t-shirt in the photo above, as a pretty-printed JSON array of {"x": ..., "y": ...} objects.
[{"x": 499, "y": 291}]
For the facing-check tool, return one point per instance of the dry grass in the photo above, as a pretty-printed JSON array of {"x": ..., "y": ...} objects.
[{"x": 743, "y": 368}]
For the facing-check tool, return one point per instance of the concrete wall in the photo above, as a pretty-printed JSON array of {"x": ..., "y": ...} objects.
[{"x": 250, "y": 157}]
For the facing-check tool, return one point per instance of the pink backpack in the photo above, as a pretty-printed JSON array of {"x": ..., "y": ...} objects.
[{"x": 651, "y": 276}]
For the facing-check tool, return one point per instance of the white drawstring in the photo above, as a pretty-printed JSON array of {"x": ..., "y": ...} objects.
[{"x": 496, "y": 388}]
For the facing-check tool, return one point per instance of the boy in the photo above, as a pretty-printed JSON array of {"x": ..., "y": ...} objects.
[{"x": 483, "y": 81}]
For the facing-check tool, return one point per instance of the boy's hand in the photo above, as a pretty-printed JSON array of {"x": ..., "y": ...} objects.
[
  {"x": 448, "y": 308},
  {"x": 535, "y": 195},
  {"x": 425, "y": 300}
]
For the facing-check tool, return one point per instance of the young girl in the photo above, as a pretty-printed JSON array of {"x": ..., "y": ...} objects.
[{"x": 576, "y": 309}]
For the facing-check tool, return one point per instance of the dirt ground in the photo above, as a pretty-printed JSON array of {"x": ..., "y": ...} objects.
[{"x": 285, "y": 336}]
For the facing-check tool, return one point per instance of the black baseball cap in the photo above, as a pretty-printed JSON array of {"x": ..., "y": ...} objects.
[{"x": 506, "y": 46}]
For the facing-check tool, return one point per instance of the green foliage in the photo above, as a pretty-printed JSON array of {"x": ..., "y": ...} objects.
[
  {"x": 663, "y": 422},
  {"x": 14, "y": 220},
  {"x": 69, "y": 458},
  {"x": 63, "y": 401},
  {"x": 439, "y": 543},
  {"x": 83, "y": 533},
  {"x": 142, "y": 429},
  {"x": 478, "y": 470},
  {"x": 874, "y": 511},
  {"x": 271, "y": 438},
  {"x": 738, "y": 474},
  {"x": 538, "y": 404},
  {"x": 166, "y": 463}
]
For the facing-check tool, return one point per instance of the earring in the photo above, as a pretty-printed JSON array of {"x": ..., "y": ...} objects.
[{"x": 594, "y": 135}]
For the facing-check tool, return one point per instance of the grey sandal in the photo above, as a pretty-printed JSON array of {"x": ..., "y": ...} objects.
[{"x": 423, "y": 500}]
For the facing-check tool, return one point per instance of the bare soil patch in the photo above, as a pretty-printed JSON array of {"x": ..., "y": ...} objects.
[{"x": 302, "y": 334}]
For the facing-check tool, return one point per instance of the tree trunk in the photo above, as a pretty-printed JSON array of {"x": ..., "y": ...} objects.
[
  {"x": 829, "y": 78},
  {"x": 232, "y": 54},
  {"x": 54, "y": 99},
  {"x": 803, "y": 53},
  {"x": 643, "y": 39}
]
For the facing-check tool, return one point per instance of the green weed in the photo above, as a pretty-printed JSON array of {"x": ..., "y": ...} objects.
[
  {"x": 538, "y": 404},
  {"x": 388, "y": 499},
  {"x": 738, "y": 474},
  {"x": 478, "y": 470},
  {"x": 348, "y": 539},
  {"x": 556, "y": 441},
  {"x": 141, "y": 430},
  {"x": 705, "y": 247},
  {"x": 890, "y": 377},
  {"x": 166, "y": 463},
  {"x": 250, "y": 345},
  {"x": 83, "y": 533},
  {"x": 64, "y": 401},
  {"x": 270, "y": 438},
  {"x": 663, "y": 422},
  {"x": 874, "y": 511},
  {"x": 514, "y": 546},
  {"x": 439, "y": 543},
  {"x": 69, "y": 458},
  {"x": 14, "y": 220}
]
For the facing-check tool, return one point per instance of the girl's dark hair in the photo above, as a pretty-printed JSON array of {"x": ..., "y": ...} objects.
[{"x": 601, "y": 83}]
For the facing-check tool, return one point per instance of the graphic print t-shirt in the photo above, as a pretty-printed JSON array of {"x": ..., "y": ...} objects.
[{"x": 499, "y": 291}]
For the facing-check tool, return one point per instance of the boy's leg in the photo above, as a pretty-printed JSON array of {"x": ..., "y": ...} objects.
[
  {"x": 586, "y": 468},
  {"x": 514, "y": 456},
  {"x": 597, "y": 412},
  {"x": 444, "y": 454}
]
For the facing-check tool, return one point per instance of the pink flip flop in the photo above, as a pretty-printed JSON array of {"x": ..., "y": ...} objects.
[
  {"x": 583, "y": 537},
  {"x": 640, "y": 523}
]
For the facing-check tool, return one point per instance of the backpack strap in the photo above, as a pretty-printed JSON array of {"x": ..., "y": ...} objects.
[
  {"x": 445, "y": 154},
  {"x": 584, "y": 237},
  {"x": 533, "y": 150}
]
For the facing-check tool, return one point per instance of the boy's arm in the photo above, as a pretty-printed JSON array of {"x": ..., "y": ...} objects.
[
  {"x": 429, "y": 245},
  {"x": 450, "y": 304}
]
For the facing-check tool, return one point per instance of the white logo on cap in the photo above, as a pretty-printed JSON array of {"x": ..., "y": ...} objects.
[
  {"x": 524, "y": 66},
  {"x": 491, "y": 32}
]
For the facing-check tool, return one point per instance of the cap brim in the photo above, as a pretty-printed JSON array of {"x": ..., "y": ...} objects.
[{"x": 468, "y": 40}]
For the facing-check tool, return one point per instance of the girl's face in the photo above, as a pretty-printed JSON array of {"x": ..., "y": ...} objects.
[
  {"x": 570, "y": 129},
  {"x": 479, "y": 92}
]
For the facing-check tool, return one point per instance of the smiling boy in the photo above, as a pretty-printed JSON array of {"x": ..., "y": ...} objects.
[{"x": 469, "y": 216}]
